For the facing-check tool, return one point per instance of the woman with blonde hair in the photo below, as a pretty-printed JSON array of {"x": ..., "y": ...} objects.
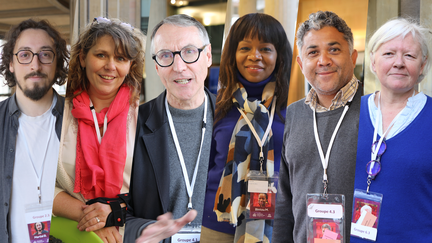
[
  {"x": 99, "y": 124},
  {"x": 393, "y": 169}
]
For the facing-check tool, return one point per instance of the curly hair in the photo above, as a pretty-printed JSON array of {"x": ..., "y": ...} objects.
[
  {"x": 34, "y": 226},
  {"x": 61, "y": 51},
  {"x": 322, "y": 19},
  {"x": 269, "y": 30},
  {"x": 131, "y": 42}
]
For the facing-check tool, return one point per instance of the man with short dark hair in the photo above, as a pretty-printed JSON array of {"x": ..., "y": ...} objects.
[
  {"x": 173, "y": 138},
  {"x": 327, "y": 59},
  {"x": 33, "y": 59}
]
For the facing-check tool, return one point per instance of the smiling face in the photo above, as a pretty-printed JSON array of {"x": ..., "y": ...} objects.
[
  {"x": 105, "y": 70},
  {"x": 184, "y": 82},
  {"x": 256, "y": 60},
  {"x": 398, "y": 63},
  {"x": 326, "y": 62},
  {"x": 35, "y": 79},
  {"x": 262, "y": 199}
]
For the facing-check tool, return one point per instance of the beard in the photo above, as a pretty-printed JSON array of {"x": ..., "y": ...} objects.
[{"x": 39, "y": 90}]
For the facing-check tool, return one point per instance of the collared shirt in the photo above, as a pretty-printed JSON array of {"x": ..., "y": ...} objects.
[
  {"x": 414, "y": 106},
  {"x": 9, "y": 114},
  {"x": 345, "y": 94}
]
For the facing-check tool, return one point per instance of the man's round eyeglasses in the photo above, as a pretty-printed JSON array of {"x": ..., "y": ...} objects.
[
  {"x": 189, "y": 54},
  {"x": 26, "y": 56}
]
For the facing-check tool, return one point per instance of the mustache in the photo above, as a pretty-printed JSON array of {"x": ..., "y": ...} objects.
[
  {"x": 327, "y": 69},
  {"x": 36, "y": 74}
]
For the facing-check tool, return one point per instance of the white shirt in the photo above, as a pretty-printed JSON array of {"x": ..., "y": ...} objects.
[{"x": 36, "y": 155}]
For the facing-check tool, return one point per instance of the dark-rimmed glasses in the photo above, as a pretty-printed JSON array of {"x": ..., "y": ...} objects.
[
  {"x": 26, "y": 56},
  {"x": 189, "y": 54},
  {"x": 105, "y": 20}
]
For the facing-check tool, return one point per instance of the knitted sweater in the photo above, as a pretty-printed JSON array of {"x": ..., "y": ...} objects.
[
  {"x": 188, "y": 126},
  {"x": 405, "y": 179},
  {"x": 301, "y": 171}
]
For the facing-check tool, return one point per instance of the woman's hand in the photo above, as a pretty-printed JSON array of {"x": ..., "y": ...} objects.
[
  {"x": 165, "y": 227},
  {"x": 91, "y": 214},
  {"x": 109, "y": 235}
]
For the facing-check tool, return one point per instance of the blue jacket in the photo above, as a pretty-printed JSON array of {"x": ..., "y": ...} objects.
[{"x": 9, "y": 114}]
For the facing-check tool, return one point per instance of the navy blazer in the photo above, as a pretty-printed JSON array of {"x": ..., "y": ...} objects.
[{"x": 149, "y": 186}]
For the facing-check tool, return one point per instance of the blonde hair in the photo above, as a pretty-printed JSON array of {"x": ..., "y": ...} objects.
[{"x": 401, "y": 27}]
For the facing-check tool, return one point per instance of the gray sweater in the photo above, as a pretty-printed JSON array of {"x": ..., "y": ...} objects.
[
  {"x": 301, "y": 171},
  {"x": 188, "y": 124}
]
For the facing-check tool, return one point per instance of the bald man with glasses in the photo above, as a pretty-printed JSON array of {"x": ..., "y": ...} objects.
[{"x": 173, "y": 138}]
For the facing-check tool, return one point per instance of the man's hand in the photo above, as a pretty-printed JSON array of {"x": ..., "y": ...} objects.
[
  {"x": 109, "y": 235},
  {"x": 165, "y": 227},
  {"x": 89, "y": 222}
]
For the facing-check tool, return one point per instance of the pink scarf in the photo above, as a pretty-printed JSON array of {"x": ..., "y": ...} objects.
[{"x": 99, "y": 167}]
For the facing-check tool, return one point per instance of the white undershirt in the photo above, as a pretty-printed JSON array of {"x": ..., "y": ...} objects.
[{"x": 37, "y": 146}]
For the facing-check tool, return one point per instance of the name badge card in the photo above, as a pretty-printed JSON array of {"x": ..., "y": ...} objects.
[
  {"x": 325, "y": 218},
  {"x": 38, "y": 219},
  {"x": 262, "y": 195},
  {"x": 187, "y": 234},
  {"x": 366, "y": 211}
]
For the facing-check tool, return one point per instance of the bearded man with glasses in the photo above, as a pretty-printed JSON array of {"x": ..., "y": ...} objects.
[
  {"x": 173, "y": 138},
  {"x": 33, "y": 58}
]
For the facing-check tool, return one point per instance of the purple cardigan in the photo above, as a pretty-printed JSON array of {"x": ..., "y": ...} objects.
[{"x": 222, "y": 132}]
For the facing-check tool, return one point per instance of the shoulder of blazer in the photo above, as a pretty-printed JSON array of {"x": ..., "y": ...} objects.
[{"x": 152, "y": 115}]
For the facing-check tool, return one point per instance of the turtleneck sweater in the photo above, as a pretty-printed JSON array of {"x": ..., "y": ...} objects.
[{"x": 222, "y": 132}]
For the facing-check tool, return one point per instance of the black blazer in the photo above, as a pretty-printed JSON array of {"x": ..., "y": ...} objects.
[{"x": 149, "y": 186}]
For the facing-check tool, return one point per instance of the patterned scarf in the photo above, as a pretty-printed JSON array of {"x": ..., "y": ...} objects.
[
  {"x": 243, "y": 156},
  {"x": 99, "y": 167}
]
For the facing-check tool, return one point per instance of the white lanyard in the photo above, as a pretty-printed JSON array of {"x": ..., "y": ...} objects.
[
  {"x": 189, "y": 186},
  {"x": 324, "y": 160},
  {"x": 377, "y": 117},
  {"x": 96, "y": 122},
  {"x": 264, "y": 138},
  {"x": 39, "y": 178}
]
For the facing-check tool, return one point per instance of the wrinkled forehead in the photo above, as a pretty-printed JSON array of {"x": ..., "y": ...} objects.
[{"x": 174, "y": 38}]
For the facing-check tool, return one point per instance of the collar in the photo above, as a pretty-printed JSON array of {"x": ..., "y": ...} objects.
[
  {"x": 13, "y": 106},
  {"x": 57, "y": 109},
  {"x": 344, "y": 95}
]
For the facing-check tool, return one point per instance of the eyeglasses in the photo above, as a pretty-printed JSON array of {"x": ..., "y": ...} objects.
[
  {"x": 373, "y": 167},
  {"x": 26, "y": 56},
  {"x": 189, "y": 54},
  {"x": 99, "y": 20}
]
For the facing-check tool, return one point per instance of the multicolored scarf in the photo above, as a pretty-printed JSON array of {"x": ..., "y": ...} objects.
[
  {"x": 243, "y": 156},
  {"x": 99, "y": 167}
]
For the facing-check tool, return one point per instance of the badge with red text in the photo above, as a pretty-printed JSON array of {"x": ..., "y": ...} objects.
[
  {"x": 38, "y": 219},
  {"x": 325, "y": 215},
  {"x": 366, "y": 211}
]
